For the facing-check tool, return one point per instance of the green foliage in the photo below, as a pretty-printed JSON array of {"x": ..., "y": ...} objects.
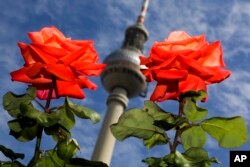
[
  {"x": 23, "y": 129},
  {"x": 58, "y": 132},
  {"x": 81, "y": 162},
  {"x": 229, "y": 132},
  {"x": 12, "y": 102},
  {"x": 82, "y": 112},
  {"x": 194, "y": 136},
  {"x": 67, "y": 118},
  {"x": 155, "y": 139},
  {"x": 195, "y": 95},
  {"x": 67, "y": 148},
  {"x": 11, "y": 164},
  {"x": 150, "y": 123},
  {"x": 157, "y": 113},
  {"x": 10, "y": 154},
  {"x": 192, "y": 111},
  {"x": 42, "y": 118},
  {"x": 138, "y": 123},
  {"x": 194, "y": 157},
  {"x": 52, "y": 159},
  {"x": 162, "y": 119},
  {"x": 57, "y": 122},
  {"x": 155, "y": 162}
]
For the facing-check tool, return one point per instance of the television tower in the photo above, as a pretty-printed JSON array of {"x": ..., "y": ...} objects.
[{"x": 123, "y": 79}]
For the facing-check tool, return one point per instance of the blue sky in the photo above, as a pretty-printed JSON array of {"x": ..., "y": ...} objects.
[{"x": 105, "y": 22}]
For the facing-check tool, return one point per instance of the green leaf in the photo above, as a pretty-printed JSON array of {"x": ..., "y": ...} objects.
[
  {"x": 194, "y": 136},
  {"x": 162, "y": 119},
  {"x": 67, "y": 149},
  {"x": 195, "y": 95},
  {"x": 67, "y": 118},
  {"x": 156, "y": 112},
  {"x": 15, "y": 125},
  {"x": 11, "y": 164},
  {"x": 10, "y": 154},
  {"x": 80, "y": 162},
  {"x": 167, "y": 125},
  {"x": 195, "y": 157},
  {"x": 58, "y": 132},
  {"x": 192, "y": 111},
  {"x": 42, "y": 118},
  {"x": 137, "y": 123},
  {"x": 229, "y": 132},
  {"x": 82, "y": 112},
  {"x": 155, "y": 162},
  {"x": 198, "y": 153},
  {"x": 11, "y": 101},
  {"x": 52, "y": 154},
  {"x": 166, "y": 161},
  {"x": 23, "y": 129},
  {"x": 51, "y": 159},
  {"x": 156, "y": 139},
  {"x": 46, "y": 161}
]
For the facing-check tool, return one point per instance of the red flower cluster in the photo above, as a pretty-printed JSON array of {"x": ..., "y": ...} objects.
[
  {"x": 52, "y": 56},
  {"x": 183, "y": 63}
]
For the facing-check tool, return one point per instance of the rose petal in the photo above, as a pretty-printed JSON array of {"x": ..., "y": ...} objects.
[
  {"x": 44, "y": 57},
  {"x": 192, "y": 83},
  {"x": 48, "y": 32},
  {"x": 165, "y": 91},
  {"x": 89, "y": 68},
  {"x": 144, "y": 60},
  {"x": 85, "y": 83},
  {"x": 158, "y": 92},
  {"x": 194, "y": 67},
  {"x": 178, "y": 36},
  {"x": 60, "y": 71},
  {"x": 21, "y": 76},
  {"x": 73, "y": 56},
  {"x": 219, "y": 75},
  {"x": 165, "y": 75},
  {"x": 25, "y": 51},
  {"x": 212, "y": 55},
  {"x": 34, "y": 70},
  {"x": 71, "y": 89},
  {"x": 36, "y": 37},
  {"x": 42, "y": 91}
]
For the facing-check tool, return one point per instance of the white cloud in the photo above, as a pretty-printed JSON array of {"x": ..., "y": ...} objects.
[
  {"x": 228, "y": 22},
  {"x": 128, "y": 153},
  {"x": 233, "y": 96}
]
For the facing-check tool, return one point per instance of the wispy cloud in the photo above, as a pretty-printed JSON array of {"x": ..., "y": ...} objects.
[
  {"x": 233, "y": 95},
  {"x": 105, "y": 22},
  {"x": 129, "y": 153}
]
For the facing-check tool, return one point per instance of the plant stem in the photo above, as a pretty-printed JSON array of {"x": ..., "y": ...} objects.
[
  {"x": 37, "y": 153},
  {"x": 178, "y": 131}
]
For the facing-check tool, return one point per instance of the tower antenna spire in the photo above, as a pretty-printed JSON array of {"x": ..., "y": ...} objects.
[{"x": 143, "y": 12}]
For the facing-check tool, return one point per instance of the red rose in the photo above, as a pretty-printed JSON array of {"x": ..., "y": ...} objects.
[
  {"x": 53, "y": 56},
  {"x": 183, "y": 63}
]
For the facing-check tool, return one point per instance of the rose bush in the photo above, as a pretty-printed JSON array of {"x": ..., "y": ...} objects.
[
  {"x": 51, "y": 56},
  {"x": 183, "y": 63},
  {"x": 182, "y": 66}
]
